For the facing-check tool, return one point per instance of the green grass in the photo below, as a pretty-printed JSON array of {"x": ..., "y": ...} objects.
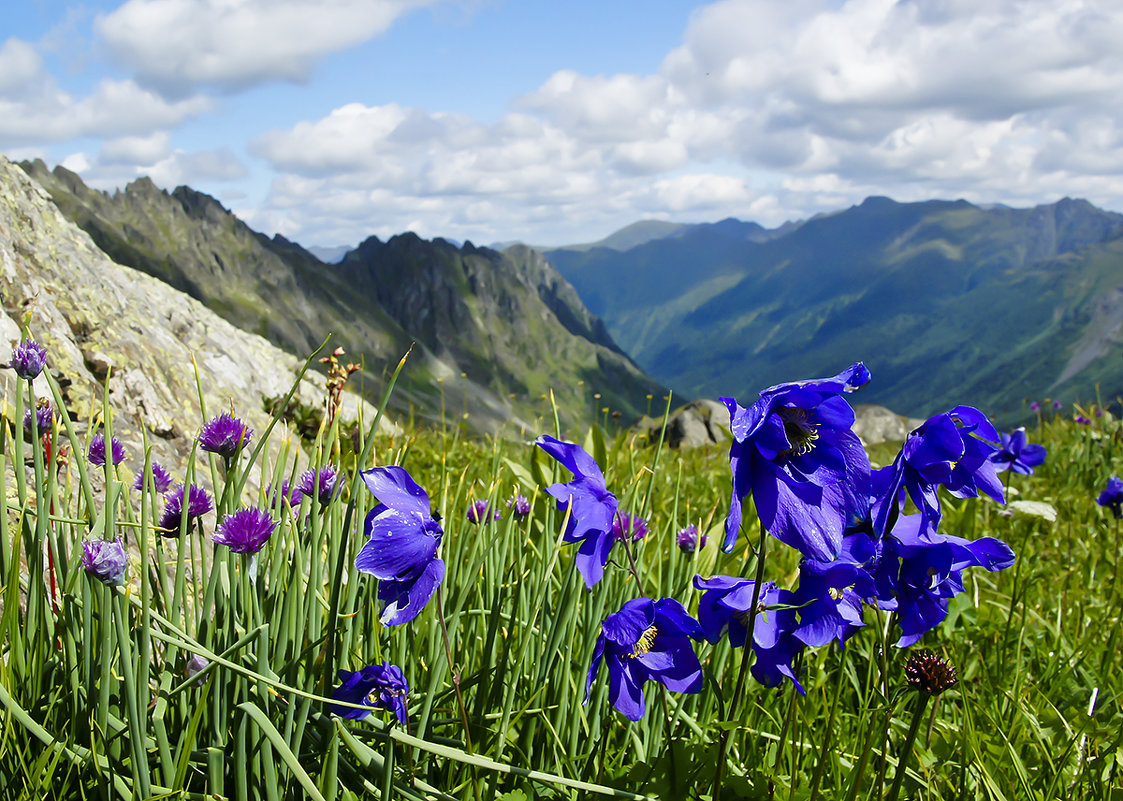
[{"x": 96, "y": 703}]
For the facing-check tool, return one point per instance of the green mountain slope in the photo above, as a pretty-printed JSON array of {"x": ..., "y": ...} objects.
[{"x": 945, "y": 302}]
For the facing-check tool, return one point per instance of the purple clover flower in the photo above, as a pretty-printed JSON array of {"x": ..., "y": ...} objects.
[
  {"x": 245, "y": 531},
  {"x": 478, "y": 513},
  {"x": 380, "y": 686},
  {"x": 688, "y": 541},
  {"x": 1015, "y": 454},
  {"x": 519, "y": 506},
  {"x": 625, "y": 523},
  {"x": 646, "y": 640},
  {"x": 39, "y": 420},
  {"x": 402, "y": 542},
  {"x": 593, "y": 507},
  {"x": 96, "y": 453},
  {"x": 28, "y": 359},
  {"x": 161, "y": 479},
  {"x": 794, "y": 450},
  {"x": 1112, "y": 496},
  {"x": 198, "y": 504},
  {"x": 323, "y": 484},
  {"x": 225, "y": 436},
  {"x": 105, "y": 560}
]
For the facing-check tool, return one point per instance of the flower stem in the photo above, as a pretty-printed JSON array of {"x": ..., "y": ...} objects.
[
  {"x": 455, "y": 681},
  {"x": 906, "y": 747}
]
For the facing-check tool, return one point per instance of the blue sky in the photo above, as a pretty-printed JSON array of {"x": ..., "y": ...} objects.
[{"x": 331, "y": 120}]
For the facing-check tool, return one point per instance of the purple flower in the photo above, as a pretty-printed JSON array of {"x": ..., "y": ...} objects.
[
  {"x": 96, "y": 453},
  {"x": 380, "y": 686},
  {"x": 807, "y": 471},
  {"x": 478, "y": 513},
  {"x": 198, "y": 504},
  {"x": 1035, "y": 406},
  {"x": 324, "y": 484},
  {"x": 196, "y": 665},
  {"x": 593, "y": 506},
  {"x": 519, "y": 506},
  {"x": 161, "y": 479},
  {"x": 245, "y": 531},
  {"x": 1112, "y": 496},
  {"x": 225, "y": 436},
  {"x": 28, "y": 358},
  {"x": 625, "y": 523},
  {"x": 105, "y": 560},
  {"x": 646, "y": 640},
  {"x": 1058, "y": 405},
  {"x": 688, "y": 541},
  {"x": 402, "y": 542},
  {"x": 39, "y": 420},
  {"x": 291, "y": 498},
  {"x": 1082, "y": 420},
  {"x": 1015, "y": 454}
]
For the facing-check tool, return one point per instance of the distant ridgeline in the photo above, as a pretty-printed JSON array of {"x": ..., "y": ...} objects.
[
  {"x": 495, "y": 332},
  {"x": 945, "y": 302}
]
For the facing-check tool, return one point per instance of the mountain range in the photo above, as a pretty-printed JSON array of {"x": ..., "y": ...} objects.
[{"x": 946, "y": 302}]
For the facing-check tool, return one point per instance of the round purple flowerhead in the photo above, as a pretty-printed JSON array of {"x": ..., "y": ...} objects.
[
  {"x": 28, "y": 358},
  {"x": 402, "y": 542},
  {"x": 688, "y": 541},
  {"x": 323, "y": 484},
  {"x": 1058, "y": 405},
  {"x": 198, "y": 504},
  {"x": 96, "y": 452},
  {"x": 105, "y": 560},
  {"x": 1112, "y": 496},
  {"x": 225, "y": 436},
  {"x": 1082, "y": 420},
  {"x": 929, "y": 673},
  {"x": 39, "y": 420},
  {"x": 379, "y": 686},
  {"x": 1016, "y": 454},
  {"x": 196, "y": 665},
  {"x": 1035, "y": 406},
  {"x": 519, "y": 506},
  {"x": 245, "y": 531},
  {"x": 794, "y": 450},
  {"x": 624, "y": 524},
  {"x": 478, "y": 513},
  {"x": 161, "y": 479},
  {"x": 646, "y": 640}
]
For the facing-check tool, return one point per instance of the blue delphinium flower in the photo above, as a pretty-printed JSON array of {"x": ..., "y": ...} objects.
[
  {"x": 478, "y": 513},
  {"x": 105, "y": 560},
  {"x": 96, "y": 453},
  {"x": 519, "y": 506},
  {"x": 198, "y": 504},
  {"x": 794, "y": 450},
  {"x": 161, "y": 479},
  {"x": 725, "y": 608},
  {"x": 379, "y": 686},
  {"x": 39, "y": 420},
  {"x": 323, "y": 484},
  {"x": 688, "y": 540},
  {"x": 1016, "y": 454},
  {"x": 646, "y": 640},
  {"x": 830, "y": 595},
  {"x": 402, "y": 542},
  {"x": 28, "y": 358},
  {"x": 225, "y": 436},
  {"x": 593, "y": 506},
  {"x": 245, "y": 530},
  {"x": 1112, "y": 496},
  {"x": 953, "y": 449},
  {"x": 626, "y": 524}
]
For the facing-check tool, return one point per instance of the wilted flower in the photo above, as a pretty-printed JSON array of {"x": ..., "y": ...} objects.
[
  {"x": 1112, "y": 496},
  {"x": 245, "y": 531},
  {"x": 625, "y": 523},
  {"x": 198, "y": 504},
  {"x": 106, "y": 560},
  {"x": 161, "y": 479},
  {"x": 646, "y": 640},
  {"x": 225, "y": 436},
  {"x": 807, "y": 471},
  {"x": 593, "y": 506},
  {"x": 478, "y": 513},
  {"x": 519, "y": 506},
  {"x": 39, "y": 420},
  {"x": 688, "y": 541},
  {"x": 402, "y": 542},
  {"x": 96, "y": 452},
  {"x": 196, "y": 665},
  {"x": 380, "y": 686},
  {"x": 1015, "y": 454},
  {"x": 928, "y": 673},
  {"x": 28, "y": 358},
  {"x": 323, "y": 484}
]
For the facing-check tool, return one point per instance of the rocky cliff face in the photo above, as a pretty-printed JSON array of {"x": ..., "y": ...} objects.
[{"x": 98, "y": 318}]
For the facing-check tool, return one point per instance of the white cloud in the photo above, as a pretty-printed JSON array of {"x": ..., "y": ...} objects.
[
  {"x": 121, "y": 161},
  {"x": 176, "y": 45}
]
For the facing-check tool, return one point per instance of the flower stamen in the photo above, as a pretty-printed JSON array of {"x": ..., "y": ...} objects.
[
  {"x": 801, "y": 433},
  {"x": 645, "y": 642}
]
